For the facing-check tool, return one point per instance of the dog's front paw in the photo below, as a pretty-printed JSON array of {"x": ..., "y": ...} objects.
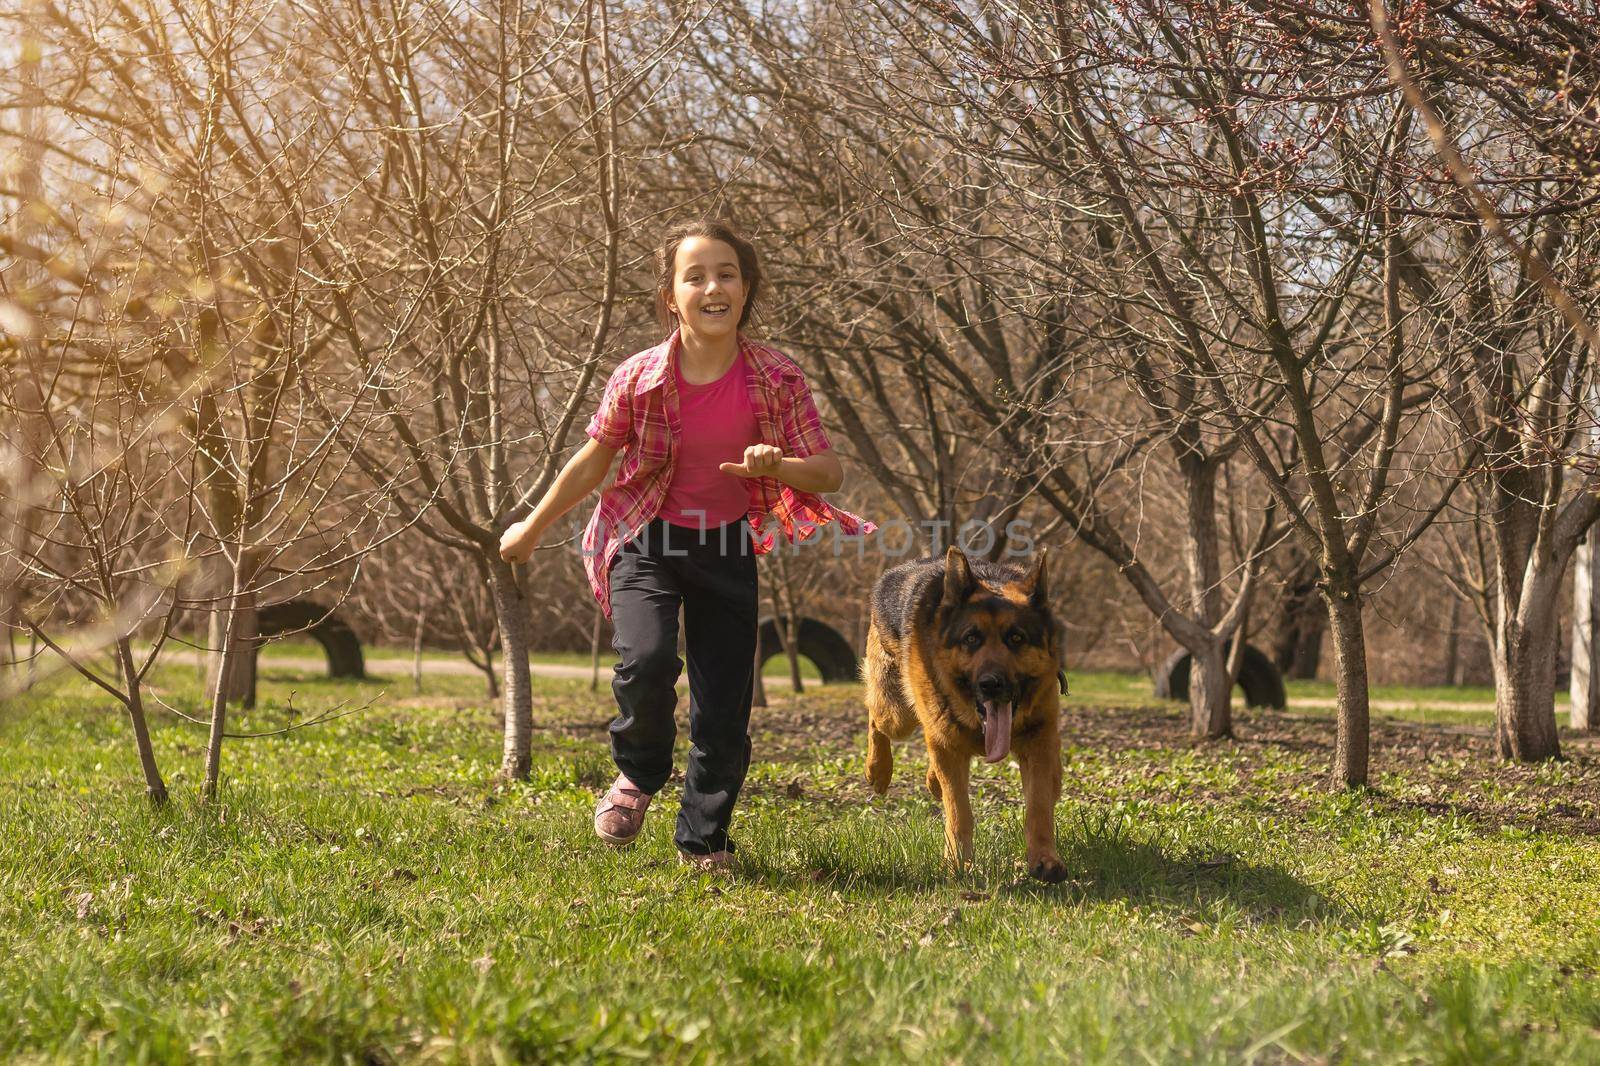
[{"x": 1049, "y": 869}]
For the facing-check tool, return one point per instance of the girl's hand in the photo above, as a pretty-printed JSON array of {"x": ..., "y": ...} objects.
[
  {"x": 760, "y": 460},
  {"x": 516, "y": 543}
]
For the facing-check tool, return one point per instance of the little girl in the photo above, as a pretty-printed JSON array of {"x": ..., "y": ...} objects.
[{"x": 716, "y": 432}]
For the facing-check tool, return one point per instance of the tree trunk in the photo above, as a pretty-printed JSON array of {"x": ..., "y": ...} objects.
[
  {"x": 219, "y": 694},
  {"x": 786, "y": 617},
  {"x": 202, "y": 659},
  {"x": 1525, "y": 682},
  {"x": 758, "y": 687},
  {"x": 783, "y": 624},
  {"x": 791, "y": 648},
  {"x": 1210, "y": 686},
  {"x": 1585, "y": 653},
  {"x": 1350, "y": 676},
  {"x": 594, "y": 649},
  {"x": 416, "y": 654},
  {"x": 1308, "y": 647},
  {"x": 154, "y": 787},
  {"x": 1297, "y": 648},
  {"x": 481, "y": 656},
  {"x": 243, "y": 622},
  {"x": 1452, "y": 645},
  {"x": 511, "y": 613},
  {"x": 247, "y": 650},
  {"x": 493, "y": 683},
  {"x": 1210, "y": 692}
]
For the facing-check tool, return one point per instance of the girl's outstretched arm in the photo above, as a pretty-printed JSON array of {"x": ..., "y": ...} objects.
[
  {"x": 582, "y": 475},
  {"x": 818, "y": 472}
]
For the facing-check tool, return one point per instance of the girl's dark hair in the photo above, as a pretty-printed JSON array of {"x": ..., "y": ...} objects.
[{"x": 716, "y": 229}]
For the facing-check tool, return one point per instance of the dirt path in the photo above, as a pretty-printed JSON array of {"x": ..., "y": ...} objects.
[
  {"x": 1328, "y": 703},
  {"x": 457, "y": 667},
  {"x": 453, "y": 667}
]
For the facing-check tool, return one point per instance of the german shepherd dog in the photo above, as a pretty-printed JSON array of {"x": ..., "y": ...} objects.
[{"x": 969, "y": 651}]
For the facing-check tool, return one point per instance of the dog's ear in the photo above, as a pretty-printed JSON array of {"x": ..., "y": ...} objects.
[
  {"x": 1036, "y": 582},
  {"x": 958, "y": 579}
]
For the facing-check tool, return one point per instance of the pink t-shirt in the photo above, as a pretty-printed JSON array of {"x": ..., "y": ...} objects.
[{"x": 718, "y": 422}]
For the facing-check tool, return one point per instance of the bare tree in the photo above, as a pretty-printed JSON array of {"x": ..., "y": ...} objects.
[
  {"x": 206, "y": 178},
  {"x": 475, "y": 317},
  {"x": 1063, "y": 245},
  {"x": 97, "y": 535},
  {"x": 1527, "y": 357}
]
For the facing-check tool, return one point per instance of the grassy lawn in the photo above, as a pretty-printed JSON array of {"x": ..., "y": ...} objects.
[{"x": 368, "y": 892}]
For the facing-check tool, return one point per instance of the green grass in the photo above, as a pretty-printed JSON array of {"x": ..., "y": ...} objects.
[{"x": 367, "y": 891}]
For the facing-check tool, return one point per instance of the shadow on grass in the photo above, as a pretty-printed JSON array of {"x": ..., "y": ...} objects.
[
  {"x": 1109, "y": 866},
  {"x": 1105, "y": 858}
]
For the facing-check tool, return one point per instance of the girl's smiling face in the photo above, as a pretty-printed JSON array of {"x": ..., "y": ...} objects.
[{"x": 707, "y": 288}]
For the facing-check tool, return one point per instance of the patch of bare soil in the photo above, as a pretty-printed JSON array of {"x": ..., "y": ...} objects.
[{"x": 1441, "y": 769}]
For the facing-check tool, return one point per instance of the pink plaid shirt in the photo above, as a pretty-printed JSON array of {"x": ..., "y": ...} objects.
[{"x": 638, "y": 414}]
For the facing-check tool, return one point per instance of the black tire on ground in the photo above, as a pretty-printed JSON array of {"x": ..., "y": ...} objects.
[
  {"x": 338, "y": 640},
  {"x": 1260, "y": 679},
  {"x": 821, "y": 643}
]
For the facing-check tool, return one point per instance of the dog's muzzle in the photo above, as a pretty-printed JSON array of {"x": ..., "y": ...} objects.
[{"x": 995, "y": 706}]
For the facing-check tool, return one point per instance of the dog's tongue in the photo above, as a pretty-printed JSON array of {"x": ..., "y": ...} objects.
[{"x": 996, "y": 730}]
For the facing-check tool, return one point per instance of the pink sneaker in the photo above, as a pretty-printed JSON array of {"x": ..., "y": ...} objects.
[
  {"x": 718, "y": 862},
  {"x": 619, "y": 815}
]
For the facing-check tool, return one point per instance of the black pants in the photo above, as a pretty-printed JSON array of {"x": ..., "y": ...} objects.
[{"x": 712, "y": 574}]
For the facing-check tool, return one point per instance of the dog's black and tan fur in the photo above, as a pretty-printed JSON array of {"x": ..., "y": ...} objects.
[{"x": 970, "y": 652}]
